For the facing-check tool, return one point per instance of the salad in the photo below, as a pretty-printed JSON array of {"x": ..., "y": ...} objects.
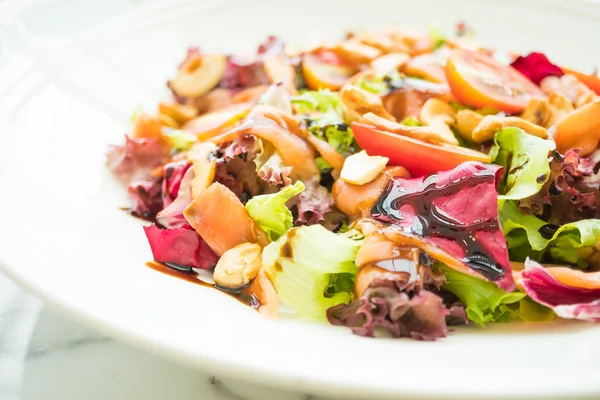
[{"x": 393, "y": 181}]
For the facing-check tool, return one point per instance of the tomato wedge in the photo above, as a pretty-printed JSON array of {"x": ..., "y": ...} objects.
[
  {"x": 591, "y": 81},
  {"x": 325, "y": 70},
  {"x": 480, "y": 81},
  {"x": 420, "y": 158}
]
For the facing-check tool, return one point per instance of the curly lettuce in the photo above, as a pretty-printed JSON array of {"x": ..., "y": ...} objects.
[
  {"x": 380, "y": 85},
  {"x": 571, "y": 193},
  {"x": 529, "y": 236},
  {"x": 485, "y": 302},
  {"x": 325, "y": 117},
  {"x": 525, "y": 160},
  {"x": 326, "y": 102},
  {"x": 270, "y": 212}
]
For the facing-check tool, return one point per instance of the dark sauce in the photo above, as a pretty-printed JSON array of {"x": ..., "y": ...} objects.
[
  {"x": 146, "y": 217},
  {"x": 547, "y": 231},
  {"x": 542, "y": 178},
  {"x": 429, "y": 221},
  {"x": 243, "y": 294},
  {"x": 286, "y": 250}
]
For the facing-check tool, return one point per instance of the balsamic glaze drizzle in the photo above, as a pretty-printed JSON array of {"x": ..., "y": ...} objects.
[
  {"x": 242, "y": 294},
  {"x": 433, "y": 222}
]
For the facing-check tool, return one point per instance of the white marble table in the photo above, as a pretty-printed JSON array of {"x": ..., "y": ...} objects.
[{"x": 45, "y": 356}]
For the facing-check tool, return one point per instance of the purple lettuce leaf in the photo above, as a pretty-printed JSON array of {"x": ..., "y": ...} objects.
[
  {"x": 236, "y": 169},
  {"x": 146, "y": 197},
  {"x": 566, "y": 301},
  {"x": 242, "y": 72},
  {"x": 536, "y": 67},
  {"x": 135, "y": 159},
  {"x": 172, "y": 215},
  {"x": 181, "y": 246},
  {"x": 311, "y": 206},
  {"x": 571, "y": 193},
  {"x": 275, "y": 175},
  {"x": 173, "y": 174},
  {"x": 403, "y": 312}
]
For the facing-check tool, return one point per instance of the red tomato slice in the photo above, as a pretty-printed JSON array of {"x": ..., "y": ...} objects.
[
  {"x": 591, "y": 81},
  {"x": 420, "y": 158},
  {"x": 480, "y": 81},
  {"x": 325, "y": 70}
]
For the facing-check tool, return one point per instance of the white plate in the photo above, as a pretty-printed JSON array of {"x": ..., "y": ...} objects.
[{"x": 64, "y": 238}]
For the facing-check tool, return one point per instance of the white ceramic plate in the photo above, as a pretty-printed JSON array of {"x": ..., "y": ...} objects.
[{"x": 64, "y": 238}]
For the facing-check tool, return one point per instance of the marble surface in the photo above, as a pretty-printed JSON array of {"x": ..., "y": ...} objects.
[{"x": 45, "y": 356}]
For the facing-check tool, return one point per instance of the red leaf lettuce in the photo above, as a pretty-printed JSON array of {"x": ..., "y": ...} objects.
[{"x": 181, "y": 246}]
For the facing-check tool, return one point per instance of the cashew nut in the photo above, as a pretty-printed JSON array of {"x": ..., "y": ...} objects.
[
  {"x": 181, "y": 113},
  {"x": 389, "y": 62},
  {"x": 550, "y": 85},
  {"x": 579, "y": 130},
  {"x": 491, "y": 124},
  {"x": 438, "y": 114},
  {"x": 238, "y": 266},
  {"x": 426, "y": 133},
  {"x": 586, "y": 98},
  {"x": 355, "y": 52},
  {"x": 361, "y": 168},
  {"x": 560, "y": 106},
  {"x": 538, "y": 111},
  {"x": 358, "y": 102},
  {"x": 570, "y": 87},
  {"x": 466, "y": 122},
  {"x": 199, "y": 75}
]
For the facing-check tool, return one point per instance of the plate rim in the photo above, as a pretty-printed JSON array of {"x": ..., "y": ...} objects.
[{"x": 265, "y": 376}]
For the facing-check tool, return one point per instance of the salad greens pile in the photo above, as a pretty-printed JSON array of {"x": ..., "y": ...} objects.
[{"x": 380, "y": 183}]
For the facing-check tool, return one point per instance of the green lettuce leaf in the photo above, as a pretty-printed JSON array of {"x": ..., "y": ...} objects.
[
  {"x": 326, "y": 102},
  {"x": 340, "y": 137},
  {"x": 513, "y": 219},
  {"x": 485, "y": 302},
  {"x": 377, "y": 85},
  {"x": 380, "y": 85},
  {"x": 411, "y": 121},
  {"x": 530, "y": 311},
  {"x": 438, "y": 36},
  {"x": 270, "y": 212},
  {"x": 179, "y": 139},
  {"x": 135, "y": 113},
  {"x": 525, "y": 159},
  {"x": 322, "y": 165},
  {"x": 312, "y": 269},
  {"x": 327, "y": 120},
  {"x": 529, "y": 236}
]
